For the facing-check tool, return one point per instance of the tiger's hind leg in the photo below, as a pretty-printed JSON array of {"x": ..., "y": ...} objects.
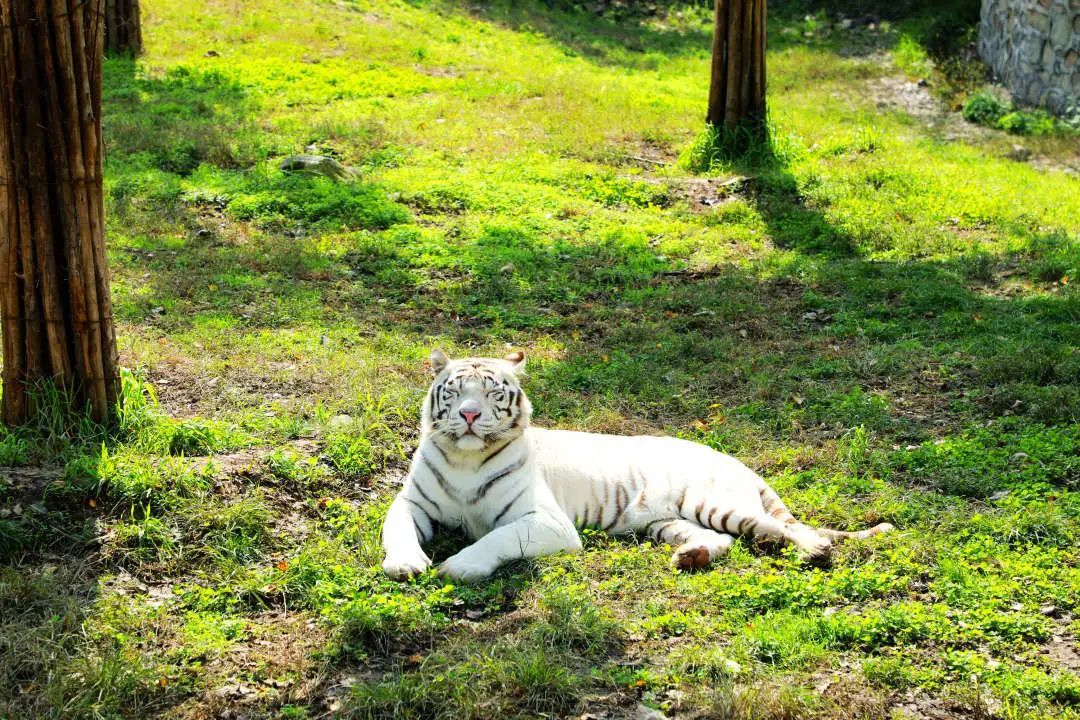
[
  {"x": 695, "y": 546},
  {"x": 813, "y": 546}
]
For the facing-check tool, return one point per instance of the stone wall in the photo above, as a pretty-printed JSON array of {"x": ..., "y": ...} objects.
[{"x": 1033, "y": 47}]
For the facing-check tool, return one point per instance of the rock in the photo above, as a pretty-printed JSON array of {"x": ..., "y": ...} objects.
[
  {"x": 1060, "y": 29},
  {"x": 644, "y": 712},
  {"x": 322, "y": 165},
  {"x": 1019, "y": 153}
]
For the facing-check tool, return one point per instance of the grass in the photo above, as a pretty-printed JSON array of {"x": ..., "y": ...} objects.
[{"x": 876, "y": 311}]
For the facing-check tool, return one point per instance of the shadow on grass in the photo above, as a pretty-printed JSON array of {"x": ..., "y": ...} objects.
[
  {"x": 638, "y": 40},
  {"x": 175, "y": 119},
  {"x": 933, "y": 338},
  {"x": 645, "y": 40}
]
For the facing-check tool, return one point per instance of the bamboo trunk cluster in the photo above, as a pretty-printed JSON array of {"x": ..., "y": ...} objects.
[
  {"x": 54, "y": 282},
  {"x": 123, "y": 28},
  {"x": 737, "y": 87}
]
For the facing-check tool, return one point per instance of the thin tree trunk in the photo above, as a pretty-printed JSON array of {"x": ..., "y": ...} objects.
[
  {"x": 737, "y": 86},
  {"x": 123, "y": 27},
  {"x": 54, "y": 282}
]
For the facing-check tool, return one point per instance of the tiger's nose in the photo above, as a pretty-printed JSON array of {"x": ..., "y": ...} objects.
[{"x": 469, "y": 415}]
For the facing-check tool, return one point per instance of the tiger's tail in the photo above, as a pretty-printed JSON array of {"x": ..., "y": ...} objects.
[
  {"x": 775, "y": 507},
  {"x": 858, "y": 535}
]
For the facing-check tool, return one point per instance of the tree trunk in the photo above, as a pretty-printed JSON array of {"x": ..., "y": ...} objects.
[
  {"x": 737, "y": 86},
  {"x": 123, "y": 30},
  {"x": 54, "y": 283}
]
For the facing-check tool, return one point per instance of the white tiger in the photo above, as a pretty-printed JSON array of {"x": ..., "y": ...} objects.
[{"x": 521, "y": 491}]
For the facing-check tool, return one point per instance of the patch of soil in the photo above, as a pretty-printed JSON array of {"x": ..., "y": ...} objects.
[
  {"x": 439, "y": 72},
  {"x": 179, "y": 390},
  {"x": 703, "y": 194},
  {"x": 920, "y": 706},
  {"x": 650, "y": 155},
  {"x": 1068, "y": 165},
  {"x": 915, "y": 99},
  {"x": 25, "y": 484},
  {"x": 1062, "y": 649},
  {"x": 185, "y": 393},
  {"x": 273, "y": 665}
]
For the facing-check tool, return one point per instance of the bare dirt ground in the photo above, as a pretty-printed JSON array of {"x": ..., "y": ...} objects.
[{"x": 898, "y": 93}]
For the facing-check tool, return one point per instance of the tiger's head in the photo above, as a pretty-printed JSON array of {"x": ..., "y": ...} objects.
[{"x": 476, "y": 402}]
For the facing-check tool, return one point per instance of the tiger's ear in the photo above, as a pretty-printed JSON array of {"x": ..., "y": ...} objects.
[
  {"x": 516, "y": 360},
  {"x": 437, "y": 361}
]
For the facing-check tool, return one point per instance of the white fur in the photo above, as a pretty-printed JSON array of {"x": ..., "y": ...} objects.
[{"x": 529, "y": 498}]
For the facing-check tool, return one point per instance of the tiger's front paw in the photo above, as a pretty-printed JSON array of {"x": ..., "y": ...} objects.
[
  {"x": 465, "y": 568},
  {"x": 403, "y": 567}
]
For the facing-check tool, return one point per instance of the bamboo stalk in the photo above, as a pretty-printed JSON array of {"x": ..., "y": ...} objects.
[
  {"x": 123, "y": 27},
  {"x": 747, "y": 69},
  {"x": 737, "y": 88},
  {"x": 734, "y": 62},
  {"x": 51, "y": 291},
  {"x": 13, "y": 408},
  {"x": 112, "y": 22},
  {"x": 40, "y": 238},
  {"x": 718, "y": 76},
  {"x": 54, "y": 299},
  {"x": 102, "y": 338},
  {"x": 107, "y": 331},
  {"x": 85, "y": 317},
  {"x": 757, "y": 61}
]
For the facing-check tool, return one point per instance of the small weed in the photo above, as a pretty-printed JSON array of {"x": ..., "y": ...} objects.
[
  {"x": 142, "y": 537},
  {"x": 237, "y": 531},
  {"x": 986, "y": 108},
  {"x": 716, "y": 148},
  {"x": 493, "y": 682},
  {"x": 135, "y": 478},
  {"x": 14, "y": 448},
  {"x": 572, "y": 621},
  {"x": 378, "y": 622},
  {"x": 350, "y": 454},
  {"x": 912, "y": 58},
  {"x": 291, "y": 466}
]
